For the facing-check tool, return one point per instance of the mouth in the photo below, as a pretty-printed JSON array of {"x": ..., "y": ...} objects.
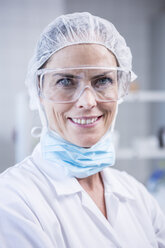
[{"x": 85, "y": 120}]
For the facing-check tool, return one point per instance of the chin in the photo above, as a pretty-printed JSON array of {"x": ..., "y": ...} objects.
[{"x": 86, "y": 143}]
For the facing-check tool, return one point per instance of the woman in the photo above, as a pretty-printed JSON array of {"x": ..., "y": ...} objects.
[{"x": 65, "y": 194}]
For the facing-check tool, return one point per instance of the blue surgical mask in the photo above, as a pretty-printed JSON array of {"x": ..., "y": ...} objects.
[{"x": 77, "y": 161}]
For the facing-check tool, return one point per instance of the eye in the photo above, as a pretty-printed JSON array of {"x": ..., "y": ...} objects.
[
  {"x": 103, "y": 82},
  {"x": 65, "y": 83}
]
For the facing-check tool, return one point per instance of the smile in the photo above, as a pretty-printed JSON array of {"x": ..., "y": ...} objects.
[{"x": 85, "y": 121}]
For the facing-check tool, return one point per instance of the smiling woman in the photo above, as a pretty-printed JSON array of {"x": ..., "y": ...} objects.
[
  {"x": 65, "y": 118},
  {"x": 65, "y": 194}
]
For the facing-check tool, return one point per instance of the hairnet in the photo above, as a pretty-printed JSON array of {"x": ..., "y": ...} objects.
[{"x": 76, "y": 28}]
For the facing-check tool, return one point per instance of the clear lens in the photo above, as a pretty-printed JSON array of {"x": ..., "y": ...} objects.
[{"x": 66, "y": 85}]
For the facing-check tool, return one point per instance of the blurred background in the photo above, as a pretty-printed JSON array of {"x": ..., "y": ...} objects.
[{"x": 140, "y": 128}]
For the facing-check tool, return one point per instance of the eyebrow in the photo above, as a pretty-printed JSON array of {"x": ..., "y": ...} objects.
[
  {"x": 67, "y": 75},
  {"x": 101, "y": 75}
]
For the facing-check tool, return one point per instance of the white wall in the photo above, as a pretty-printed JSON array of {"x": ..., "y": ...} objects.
[
  {"x": 158, "y": 68},
  {"x": 21, "y": 23}
]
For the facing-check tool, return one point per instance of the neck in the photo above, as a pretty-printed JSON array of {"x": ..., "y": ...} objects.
[{"x": 90, "y": 183}]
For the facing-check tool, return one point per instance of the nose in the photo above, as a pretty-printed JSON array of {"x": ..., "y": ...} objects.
[{"x": 87, "y": 99}]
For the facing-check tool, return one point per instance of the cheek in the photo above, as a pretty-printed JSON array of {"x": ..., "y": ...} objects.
[
  {"x": 56, "y": 115},
  {"x": 110, "y": 109}
]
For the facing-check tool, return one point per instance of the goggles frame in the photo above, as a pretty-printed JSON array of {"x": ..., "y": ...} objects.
[{"x": 40, "y": 74}]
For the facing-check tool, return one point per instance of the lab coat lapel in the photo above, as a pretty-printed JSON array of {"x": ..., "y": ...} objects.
[{"x": 100, "y": 219}]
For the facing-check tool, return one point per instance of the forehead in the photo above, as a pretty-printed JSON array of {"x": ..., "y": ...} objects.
[{"x": 80, "y": 55}]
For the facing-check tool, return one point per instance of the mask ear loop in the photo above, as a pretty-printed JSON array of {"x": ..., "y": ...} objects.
[
  {"x": 37, "y": 130},
  {"x": 116, "y": 112},
  {"x": 120, "y": 101},
  {"x": 114, "y": 120}
]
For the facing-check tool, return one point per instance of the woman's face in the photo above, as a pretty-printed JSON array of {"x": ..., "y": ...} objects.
[{"x": 64, "y": 117}]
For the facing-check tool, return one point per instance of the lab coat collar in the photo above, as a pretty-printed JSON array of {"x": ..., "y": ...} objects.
[
  {"x": 68, "y": 186},
  {"x": 115, "y": 184},
  {"x": 111, "y": 184},
  {"x": 65, "y": 185}
]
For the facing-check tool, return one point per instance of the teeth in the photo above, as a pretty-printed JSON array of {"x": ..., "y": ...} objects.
[
  {"x": 89, "y": 121},
  {"x": 84, "y": 121}
]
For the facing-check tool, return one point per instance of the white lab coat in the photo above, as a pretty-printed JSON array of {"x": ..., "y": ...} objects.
[{"x": 41, "y": 209}]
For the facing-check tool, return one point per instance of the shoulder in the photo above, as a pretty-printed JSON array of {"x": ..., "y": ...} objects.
[
  {"x": 24, "y": 173},
  {"x": 19, "y": 173},
  {"x": 21, "y": 197},
  {"x": 23, "y": 188},
  {"x": 22, "y": 183},
  {"x": 16, "y": 179}
]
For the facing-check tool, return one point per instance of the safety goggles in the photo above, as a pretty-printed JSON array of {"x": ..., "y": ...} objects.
[{"x": 66, "y": 85}]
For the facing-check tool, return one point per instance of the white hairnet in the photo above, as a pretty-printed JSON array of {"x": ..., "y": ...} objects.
[{"x": 73, "y": 29}]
